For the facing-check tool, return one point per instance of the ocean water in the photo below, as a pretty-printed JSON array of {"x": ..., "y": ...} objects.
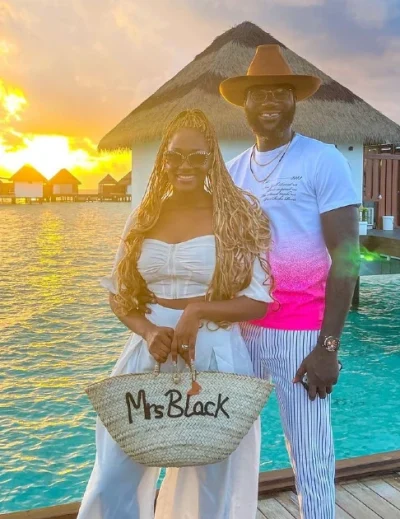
[{"x": 57, "y": 335}]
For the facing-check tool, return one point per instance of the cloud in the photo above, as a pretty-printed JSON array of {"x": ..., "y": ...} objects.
[
  {"x": 139, "y": 23},
  {"x": 85, "y": 65},
  {"x": 372, "y": 13},
  {"x": 21, "y": 16},
  {"x": 5, "y": 11},
  {"x": 373, "y": 77},
  {"x": 11, "y": 141},
  {"x": 7, "y": 48}
]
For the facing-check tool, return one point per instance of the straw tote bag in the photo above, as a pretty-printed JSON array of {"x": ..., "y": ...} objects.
[{"x": 158, "y": 424}]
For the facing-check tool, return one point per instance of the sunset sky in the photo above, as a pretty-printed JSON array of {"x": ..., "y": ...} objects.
[{"x": 70, "y": 70}]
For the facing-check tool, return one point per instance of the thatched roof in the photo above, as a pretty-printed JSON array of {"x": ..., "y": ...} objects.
[
  {"x": 333, "y": 114},
  {"x": 28, "y": 174},
  {"x": 108, "y": 180},
  {"x": 64, "y": 177},
  {"x": 126, "y": 180}
]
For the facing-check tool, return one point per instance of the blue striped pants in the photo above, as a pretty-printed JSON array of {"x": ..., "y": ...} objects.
[{"x": 277, "y": 354}]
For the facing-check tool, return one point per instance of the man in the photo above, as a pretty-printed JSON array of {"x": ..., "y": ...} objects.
[{"x": 304, "y": 186}]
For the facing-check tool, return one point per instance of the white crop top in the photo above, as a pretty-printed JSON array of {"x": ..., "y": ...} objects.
[{"x": 183, "y": 270}]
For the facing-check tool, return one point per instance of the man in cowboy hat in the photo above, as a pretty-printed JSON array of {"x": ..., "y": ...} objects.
[{"x": 304, "y": 187}]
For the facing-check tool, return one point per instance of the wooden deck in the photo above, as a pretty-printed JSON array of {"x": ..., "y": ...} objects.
[
  {"x": 369, "y": 498},
  {"x": 11, "y": 199},
  {"x": 382, "y": 242},
  {"x": 367, "y": 487}
]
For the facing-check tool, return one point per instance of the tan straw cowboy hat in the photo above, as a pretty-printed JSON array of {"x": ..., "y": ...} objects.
[{"x": 268, "y": 67}]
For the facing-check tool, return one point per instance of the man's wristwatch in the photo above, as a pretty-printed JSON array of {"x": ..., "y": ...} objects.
[{"x": 329, "y": 342}]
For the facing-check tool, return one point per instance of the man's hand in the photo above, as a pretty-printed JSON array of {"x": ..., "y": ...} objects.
[
  {"x": 322, "y": 370},
  {"x": 159, "y": 340}
]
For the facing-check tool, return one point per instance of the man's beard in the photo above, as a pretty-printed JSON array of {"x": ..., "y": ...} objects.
[{"x": 285, "y": 121}]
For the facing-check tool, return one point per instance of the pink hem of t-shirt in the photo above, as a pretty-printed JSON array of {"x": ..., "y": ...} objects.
[{"x": 300, "y": 323}]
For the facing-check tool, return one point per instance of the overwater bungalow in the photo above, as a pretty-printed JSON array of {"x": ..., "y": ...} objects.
[
  {"x": 107, "y": 186},
  {"x": 6, "y": 188},
  {"x": 334, "y": 114},
  {"x": 63, "y": 185},
  {"x": 28, "y": 183},
  {"x": 124, "y": 186}
]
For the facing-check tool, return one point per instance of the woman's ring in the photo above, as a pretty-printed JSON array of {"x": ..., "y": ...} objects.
[{"x": 184, "y": 347}]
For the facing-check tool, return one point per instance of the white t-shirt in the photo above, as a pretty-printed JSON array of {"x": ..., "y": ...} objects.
[{"x": 311, "y": 179}]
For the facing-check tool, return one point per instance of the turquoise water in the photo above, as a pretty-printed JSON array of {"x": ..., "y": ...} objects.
[{"x": 57, "y": 334}]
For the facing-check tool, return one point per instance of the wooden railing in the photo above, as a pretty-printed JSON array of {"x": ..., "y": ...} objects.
[{"x": 382, "y": 184}]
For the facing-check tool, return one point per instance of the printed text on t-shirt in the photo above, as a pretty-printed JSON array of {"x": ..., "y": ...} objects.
[{"x": 281, "y": 189}]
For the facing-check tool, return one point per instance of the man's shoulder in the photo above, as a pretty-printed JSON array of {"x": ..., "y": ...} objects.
[
  {"x": 315, "y": 146},
  {"x": 315, "y": 149}
]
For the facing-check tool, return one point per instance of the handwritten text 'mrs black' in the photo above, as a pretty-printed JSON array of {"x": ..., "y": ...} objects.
[{"x": 174, "y": 407}]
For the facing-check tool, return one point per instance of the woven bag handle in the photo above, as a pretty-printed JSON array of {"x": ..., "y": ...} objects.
[
  {"x": 193, "y": 372},
  {"x": 176, "y": 378}
]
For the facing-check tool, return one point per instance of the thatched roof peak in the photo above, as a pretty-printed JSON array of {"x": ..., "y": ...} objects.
[
  {"x": 246, "y": 33},
  {"x": 28, "y": 174},
  {"x": 333, "y": 114},
  {"x": 108, "y": 180},
  {"x": 126, "y": 180},
  {"x": 64, "y": 177}
]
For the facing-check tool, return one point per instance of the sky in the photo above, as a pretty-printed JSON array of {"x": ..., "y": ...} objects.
[{"x": 70, "y": 70}]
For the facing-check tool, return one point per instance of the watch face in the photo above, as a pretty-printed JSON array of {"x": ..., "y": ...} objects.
[{"x": 331, "y": 344}]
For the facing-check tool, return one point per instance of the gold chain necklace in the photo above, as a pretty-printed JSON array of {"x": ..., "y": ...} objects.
[
  {"x": 271, "y": 161},
  {"x": 280, "y": 160}
]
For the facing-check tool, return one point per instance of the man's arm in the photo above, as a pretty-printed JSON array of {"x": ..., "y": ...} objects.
[
  {"x": 341, "y": 234},
  {"x": 340, "y": 229}
]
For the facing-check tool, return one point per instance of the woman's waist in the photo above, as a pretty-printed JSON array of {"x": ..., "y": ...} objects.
[
  {"x": 165, "y": 316},
  {"x": 178, "y": 291},
  {"x": 179, "y": 303}
]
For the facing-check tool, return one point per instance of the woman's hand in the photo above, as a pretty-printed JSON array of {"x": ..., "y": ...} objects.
[
  {"x": 159, "y": 341},
  {"x": 186, "y": 332}
]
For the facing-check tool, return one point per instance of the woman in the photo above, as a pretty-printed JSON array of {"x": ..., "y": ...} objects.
[{"x": 189, "y": 265}]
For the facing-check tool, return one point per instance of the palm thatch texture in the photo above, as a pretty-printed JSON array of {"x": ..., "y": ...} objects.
[{"x": 333, "y": 114}]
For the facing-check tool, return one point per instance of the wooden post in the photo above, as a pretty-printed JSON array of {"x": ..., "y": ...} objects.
[{"x": 355, "y": 302}]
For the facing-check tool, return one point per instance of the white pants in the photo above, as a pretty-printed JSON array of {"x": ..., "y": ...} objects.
[
  {"x": 277, "y": 354},
  {"x": 119, "y": 488}
]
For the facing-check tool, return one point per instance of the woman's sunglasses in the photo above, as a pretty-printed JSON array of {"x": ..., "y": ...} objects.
[{"x": 197, "y": 159}]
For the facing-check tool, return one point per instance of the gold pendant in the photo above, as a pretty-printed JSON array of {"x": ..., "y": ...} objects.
[{"x": 176, "y": 377}]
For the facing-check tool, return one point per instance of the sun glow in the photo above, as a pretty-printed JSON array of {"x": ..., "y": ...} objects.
[
  {"x": 50, "y": 153},
  {"x": 12, "y": 102}
]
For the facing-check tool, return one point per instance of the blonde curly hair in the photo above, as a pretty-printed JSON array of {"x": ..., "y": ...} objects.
[{"x": 241, "y": 228}]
